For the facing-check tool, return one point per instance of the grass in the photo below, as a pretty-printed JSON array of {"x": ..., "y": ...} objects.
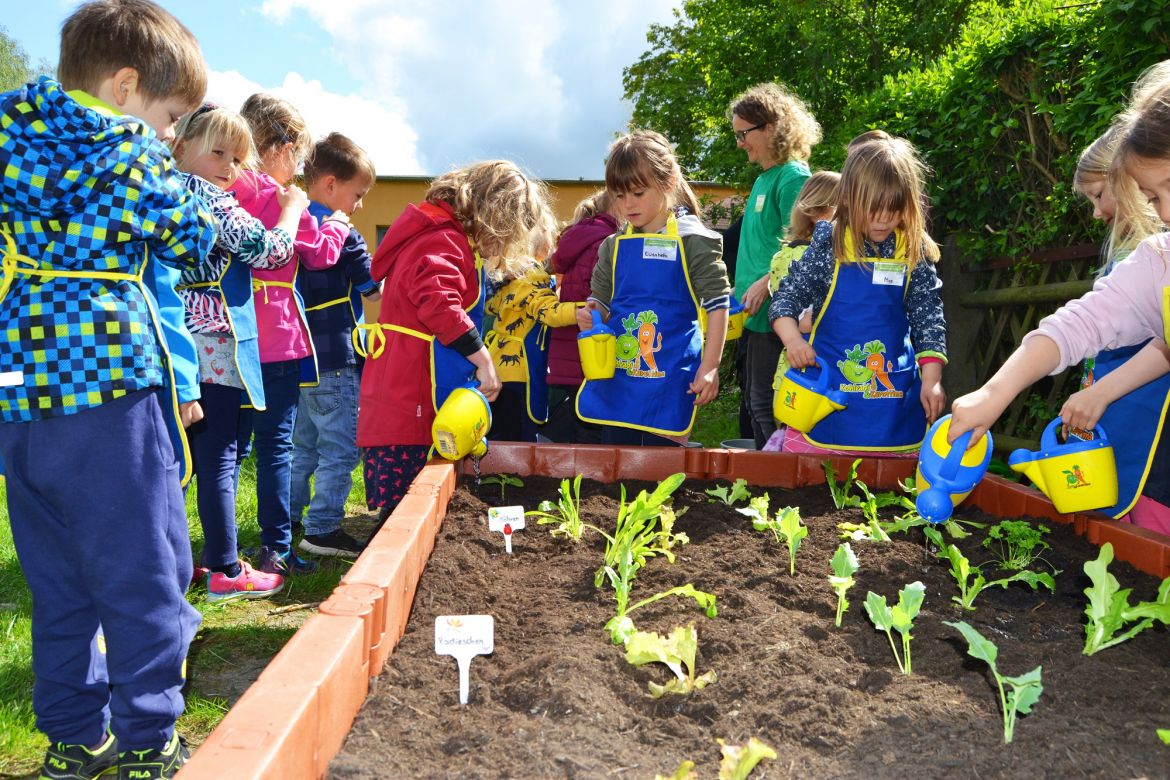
[{"x": 233, "y": 645}]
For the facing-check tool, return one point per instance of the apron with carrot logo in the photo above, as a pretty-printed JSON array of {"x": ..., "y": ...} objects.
[{"x": 660, "y": 345}]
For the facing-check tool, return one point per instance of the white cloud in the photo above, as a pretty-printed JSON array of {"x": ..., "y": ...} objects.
[
  {"x": 537, "y": 81},
  {"x": 378, "y": 126}
]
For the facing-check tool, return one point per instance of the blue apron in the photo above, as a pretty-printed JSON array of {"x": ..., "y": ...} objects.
[
  {"x": 536, "y": 358},
  {"x": 658, "y": 355},
  {"x": 863, "y": 335}
]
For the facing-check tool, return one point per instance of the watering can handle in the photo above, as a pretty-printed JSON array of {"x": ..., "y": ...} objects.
[
  {"x": 1048, "y": 439},
  {"x": 596, "y": 318},
  {"x": 954, "y": 458},
  {"x": 823, "y": 378}
]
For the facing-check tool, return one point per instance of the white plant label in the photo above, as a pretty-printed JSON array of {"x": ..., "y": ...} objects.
[
  {"x": 504, "y": 520},
  {"x": 464, "y": 637}
]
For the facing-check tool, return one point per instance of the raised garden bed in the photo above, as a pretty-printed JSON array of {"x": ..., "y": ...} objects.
[{"x": 824, "y": 716}]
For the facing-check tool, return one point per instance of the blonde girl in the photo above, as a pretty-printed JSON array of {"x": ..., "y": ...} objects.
[
  {"x": 878, "y": 324},
  {"x": 651, "y": 281},
  {"x": 482, "y": 218},
  {"x": 282, "y": 142},
  {"x": 212, "y": 146},
  {"x": 816, "y": 202}
]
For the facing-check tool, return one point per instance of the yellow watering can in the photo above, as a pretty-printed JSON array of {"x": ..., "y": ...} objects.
[
  {"x": 737, "y": 317},
  {"x": 947, "y": 473},
  {"x": 598, "y": 349},
  {"x": 461, "y": 424},
  {"x": 1076, "y": 476},
  {"x": 802, "y": 402}
]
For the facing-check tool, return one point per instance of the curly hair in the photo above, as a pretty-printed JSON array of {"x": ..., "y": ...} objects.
[
  {"x": 795, "y": 131},
  {"x": 502, "y": 211}
]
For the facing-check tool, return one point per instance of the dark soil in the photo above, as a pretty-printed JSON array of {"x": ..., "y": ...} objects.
[{"x": 557, "y": 699}]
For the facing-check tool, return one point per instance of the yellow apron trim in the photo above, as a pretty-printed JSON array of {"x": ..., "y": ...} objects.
[
  {"x": 264, "y": 284},
  {"x": 377, "y": 339},
  {"x": 327, "y": 304},
  {"x": 15, "y": 263}
]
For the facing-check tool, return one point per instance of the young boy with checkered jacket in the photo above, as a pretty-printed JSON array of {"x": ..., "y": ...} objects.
[{"x": 88, "y": 198}]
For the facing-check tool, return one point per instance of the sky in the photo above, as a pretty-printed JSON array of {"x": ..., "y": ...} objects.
[{"x": 423, "y": 86}]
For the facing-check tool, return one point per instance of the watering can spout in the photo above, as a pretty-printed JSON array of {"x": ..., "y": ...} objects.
[
  {"x": 947, "y": 473},
  {"x": 1029, "y": 468}
]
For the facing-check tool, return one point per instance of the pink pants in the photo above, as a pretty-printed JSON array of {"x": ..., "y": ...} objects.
[
  {"x": 1148, "y": 513},
  {"x": 794, "y": 441}
]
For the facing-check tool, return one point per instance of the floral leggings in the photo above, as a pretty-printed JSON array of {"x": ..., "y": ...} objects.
[{"x": 389, "y": 470}]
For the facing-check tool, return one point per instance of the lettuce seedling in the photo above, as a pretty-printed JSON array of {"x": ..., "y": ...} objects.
[
  {"x": 677, "y": 651},
  {"x": 898, "y": 618},
  {"x": 1164, "y": 735},
  {"x": 739, "y": 761},
  {"x": 685, "y": 771},
  {"x": 1020, "y": 543},
  {"x": 504, "y": 481},
  {"x": 841, "y": 493},
  {"x": 737, "y": 492},
  {"x": 638, "y": 528},
  {"x": 845, "y": 565},
  {"x": 785, "y": 526},
  {"x": 972, "y": 582},
  {"x": 1109, "y": 610},
  {"x": 1025, "y": 689},
  {"x": 565, "y": 514}
]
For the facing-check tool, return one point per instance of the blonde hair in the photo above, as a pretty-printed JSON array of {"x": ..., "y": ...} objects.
[
  {"x": 884, "y": 175},
  {"x": 819, "y": 194},
  {"x": 1134, "y": 219},
  {"x": 644, "y": 159},
  {"x": 102, "y": 37},
  {"x": 1143, "y": 131},
  {"x": 499, "y": 208},
  {"x": 275, "y": 122},
  {"x": 591, "y": 206},
  {"x": 796, "y": 131},
  {"x": 209, "y": 125}
]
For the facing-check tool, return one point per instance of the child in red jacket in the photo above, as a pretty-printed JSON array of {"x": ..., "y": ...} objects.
[{"x": 473, "y": 220}]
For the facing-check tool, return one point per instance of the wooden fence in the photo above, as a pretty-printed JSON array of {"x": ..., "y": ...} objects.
[{"x": 989, "y": 308}]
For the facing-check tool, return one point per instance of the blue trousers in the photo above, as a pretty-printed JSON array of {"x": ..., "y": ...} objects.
[
  {"x": 325, "y": 448},
  {"x": 101, "y": 533},
  {"x": 213, "y": 448},
  {"x": 273, "y": 431}
]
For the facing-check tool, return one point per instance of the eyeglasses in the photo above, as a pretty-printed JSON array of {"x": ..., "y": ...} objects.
[{"x": 742, "y": 134}]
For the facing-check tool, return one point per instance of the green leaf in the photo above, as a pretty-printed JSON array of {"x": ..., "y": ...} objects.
[
  {"x": 879, "y": 611},
  {"x": 844, "y": 562},
  {"x": 978, "y": 646},
  {"x": 685, "y": 771},
  {"x": 739, "y": 761},
  {"x": 1164, "y": 735},
  {"x": 1026, "y": 690}
]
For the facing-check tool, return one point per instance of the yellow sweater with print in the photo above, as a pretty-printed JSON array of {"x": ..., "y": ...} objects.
[{"x": 519, "y": 306}]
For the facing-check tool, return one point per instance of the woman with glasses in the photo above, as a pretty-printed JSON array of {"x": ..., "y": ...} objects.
[{"x": 778, "y": 133}]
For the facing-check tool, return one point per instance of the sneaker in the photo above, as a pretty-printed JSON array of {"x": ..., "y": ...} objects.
[
  {"x": 77, "y": 762},
  {"x": 248, "y": 584},
  {"x": 283, "y": 563},
  {"x": 337, "y": 544},
  {"x": 154, "y": 764},
  {"x": 199, "y": 574}
]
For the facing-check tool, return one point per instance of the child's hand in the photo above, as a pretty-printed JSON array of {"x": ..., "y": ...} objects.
[
  {"x": 705, "y": 386},
  {"x": 190, "y": 413},
  {"x": 292, "y": 197},
  {"x": 800, "y": 354},
  {"x": 585, "y": 315},
  {"x": 976, "y": 411},
  {"x": 1083, "y": 409},
  {"x": 489, "y": 381},
  {"x": 934, "y": 400},
  {"x": 340, "y": 216}
]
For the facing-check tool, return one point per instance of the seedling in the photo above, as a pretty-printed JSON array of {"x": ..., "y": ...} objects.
[
  {"x": 1164, "y": 735},
  {"x": 637, "y": 528},
  {"x": 504, "y": 481},
  {"x": 1020, "y": 543},
  {"x": 1025, "y": 689},
  {"x": 685, "y": 771},
  {"x": 785, "y": 527},
  {"x": 971, "y": 581},
  {"x": 1109, "y": 610},
  {"x": 677, "y": 651},
  {"x": 737, "y": 492},
  {"x": 898, "y": 618},
  {"x": 565, "y": 514},
  {"x": 845, "y": 565},
  {"x": 739, "y": 761},
  {"x": 841, "y": 493}
]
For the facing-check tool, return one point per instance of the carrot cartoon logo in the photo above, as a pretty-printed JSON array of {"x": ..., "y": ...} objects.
[
  {"x": 790, "y": 399},
  {"x": 867, "y": 371},
  {"x": 637, "y": 346},
  {"x": 1075, "y": 478}
]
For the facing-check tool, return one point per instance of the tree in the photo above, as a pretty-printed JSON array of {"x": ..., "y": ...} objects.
[{"x": 14, "y": 65}]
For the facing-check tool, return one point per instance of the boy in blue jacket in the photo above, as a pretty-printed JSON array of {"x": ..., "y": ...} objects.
[
  {"x": 87, "y": 198},
  {"x": 337, "y": 177}
]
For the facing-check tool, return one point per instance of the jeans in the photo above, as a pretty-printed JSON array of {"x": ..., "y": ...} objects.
[
  {"x": 273, "y": 431},
  {"x": 213, "y": 448},
  {"x": 760, "y": 359},
  {"x": 324, "y": 445}
]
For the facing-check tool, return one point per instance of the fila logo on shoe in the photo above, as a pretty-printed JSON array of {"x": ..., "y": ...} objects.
[{"x": 140, "y": 774}]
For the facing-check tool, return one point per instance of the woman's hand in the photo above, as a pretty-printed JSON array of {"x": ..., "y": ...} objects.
[{"x": 756, "y": 295}]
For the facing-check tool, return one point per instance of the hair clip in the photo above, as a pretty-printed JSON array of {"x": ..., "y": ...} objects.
[{"x": 203, "y": 109}]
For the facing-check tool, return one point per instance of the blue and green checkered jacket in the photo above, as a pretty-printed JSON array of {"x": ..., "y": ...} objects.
[{"x": 83, "y": 193}]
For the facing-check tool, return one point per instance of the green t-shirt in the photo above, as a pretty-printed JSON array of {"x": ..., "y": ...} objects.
[{"x": 765, "y": 218}]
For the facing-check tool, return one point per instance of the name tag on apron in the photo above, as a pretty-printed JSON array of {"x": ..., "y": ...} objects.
[
  {"x": 659, "y": 249},
  {"x": 889, "y": 273}
]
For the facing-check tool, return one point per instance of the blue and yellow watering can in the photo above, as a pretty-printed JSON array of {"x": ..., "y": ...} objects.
[
  {"x": 737, "y": 317},
  {"x": 802, "y": 402},
  {"x": 598, "y": 349},
  {"x": 462, "y": 423},
  {"x": 1077, "y": 476},
  {"x": 947, "y": 473}
]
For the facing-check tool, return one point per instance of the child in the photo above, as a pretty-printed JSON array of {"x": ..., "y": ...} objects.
[
  {"x": 524, "y": 308},
  {"x": 432, "y": 261},
  {"x": 282, "y": 142},
  {"x": 817, "y": 202},
  {"x": 652, "y": 279},
  {"x": 778, "y": 132},
  {"x": 891, "y": 305},
  {"x": 87, "y": 193},
  {"x": 338, "y": 176},
  {"x": 574, "y": 259},
  {"x": 212, "y": 146},
  {"x": 1123, "y": 308}
]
